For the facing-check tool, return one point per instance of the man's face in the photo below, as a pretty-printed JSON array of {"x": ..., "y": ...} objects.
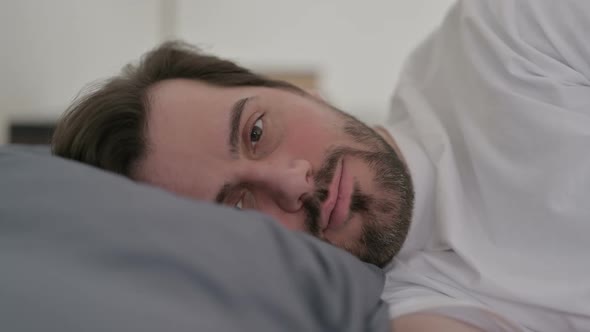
[{"x": 313, "y": 168}]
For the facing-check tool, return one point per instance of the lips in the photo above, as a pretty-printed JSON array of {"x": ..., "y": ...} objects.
[
  {"x": 333, "y": 190},
  {"x": 341, "y": 211},
  {"x": 336, "y": 209}
]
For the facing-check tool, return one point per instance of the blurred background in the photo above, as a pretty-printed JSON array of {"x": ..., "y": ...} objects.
[{"x": 351, "y": 51}]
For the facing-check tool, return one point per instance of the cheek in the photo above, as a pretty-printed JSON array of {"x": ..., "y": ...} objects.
[
  {"x": 305, "y": 138},
  {"x": 307, "y": 147}
]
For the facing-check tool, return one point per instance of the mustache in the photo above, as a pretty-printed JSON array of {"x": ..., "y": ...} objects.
[
  {"x": 324, "y": 177},
  {"x": 311, "y": 205}
]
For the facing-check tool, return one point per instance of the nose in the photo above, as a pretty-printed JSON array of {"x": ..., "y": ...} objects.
[{"x": 289, "y": 183}]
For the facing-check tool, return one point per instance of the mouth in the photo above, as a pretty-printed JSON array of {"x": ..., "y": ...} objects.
[{"x": 336, "y": 208}]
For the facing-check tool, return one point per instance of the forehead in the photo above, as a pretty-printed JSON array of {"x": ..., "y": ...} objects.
[
  {"x": 186, "y": 129},
  {"x": 184, "y": 111}
]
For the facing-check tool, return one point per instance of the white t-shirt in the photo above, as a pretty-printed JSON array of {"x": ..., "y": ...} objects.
[{"x": 492, "y": 115}]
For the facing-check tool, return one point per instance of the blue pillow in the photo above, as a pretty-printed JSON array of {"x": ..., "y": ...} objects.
[{"x": 82, "y": 249}]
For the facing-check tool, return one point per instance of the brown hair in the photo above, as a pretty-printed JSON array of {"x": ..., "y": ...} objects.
[{"x": 105, "y": 127}]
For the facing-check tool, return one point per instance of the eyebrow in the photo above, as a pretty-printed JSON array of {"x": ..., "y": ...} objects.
[{"x": 234, "y": 125}]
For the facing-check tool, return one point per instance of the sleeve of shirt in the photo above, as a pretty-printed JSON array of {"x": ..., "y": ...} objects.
[
  {"x": 486, "y": 51},
  {"x": 408, "y": 297},
  {"x": 535, "y": 48},
  {"x": 509, "y": 82},
  {"x": 505, "y": 82},
  {"x": 551, "y": 35}
]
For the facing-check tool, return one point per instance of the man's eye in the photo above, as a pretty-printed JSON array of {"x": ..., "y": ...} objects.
[
  {"x": 256, "y": 133},
  {"x": 246, "y": 201},
  {"x": 239, "y": 203}
]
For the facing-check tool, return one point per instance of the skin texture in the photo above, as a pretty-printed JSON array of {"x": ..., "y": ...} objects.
[{"x": 291, "y": 155}]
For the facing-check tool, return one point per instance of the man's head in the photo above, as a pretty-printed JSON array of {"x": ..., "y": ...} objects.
[{"x": 206, "y": 128}]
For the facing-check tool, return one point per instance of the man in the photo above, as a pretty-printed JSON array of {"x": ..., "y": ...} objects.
[{"x": 489, "y": 127}]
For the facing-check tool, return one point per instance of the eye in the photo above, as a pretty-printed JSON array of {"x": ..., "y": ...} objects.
[
  {"x": 256, "y": 132},
  {"x": 240, "y": 203},
  {"x": 246, "y": 201}
]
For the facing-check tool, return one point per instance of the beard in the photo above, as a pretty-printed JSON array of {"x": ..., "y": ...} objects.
[{"x": 386, "y": 215}]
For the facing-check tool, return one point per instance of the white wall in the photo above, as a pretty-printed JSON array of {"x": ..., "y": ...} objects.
[
  {"x": 50, "y": 49},
  {"x": 357, "y": 46}
]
